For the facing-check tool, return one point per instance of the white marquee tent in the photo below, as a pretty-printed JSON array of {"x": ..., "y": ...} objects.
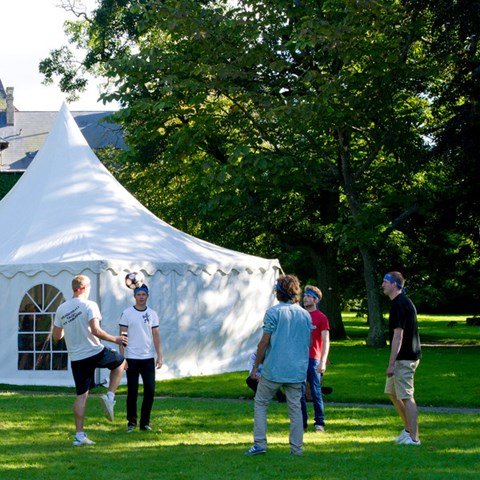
[{"x": 68, "y": 215}]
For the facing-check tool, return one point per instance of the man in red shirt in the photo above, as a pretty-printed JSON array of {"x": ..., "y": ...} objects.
[{"x": 318, "y": 356}]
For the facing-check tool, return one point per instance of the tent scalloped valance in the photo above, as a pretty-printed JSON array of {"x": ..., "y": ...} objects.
[{"x": 119, "y": 268}]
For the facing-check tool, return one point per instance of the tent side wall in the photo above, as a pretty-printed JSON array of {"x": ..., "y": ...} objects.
[{"x": 209, "y": 323}]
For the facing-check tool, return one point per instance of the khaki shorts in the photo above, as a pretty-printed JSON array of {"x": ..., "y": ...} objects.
[{"x": 401, "y": 383}]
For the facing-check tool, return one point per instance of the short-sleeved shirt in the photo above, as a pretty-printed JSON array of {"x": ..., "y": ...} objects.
[
  {"x": 320, "y": 322},
  {"x": 286, "y": 358},
  {"x": 404, "y": 315},
  {"x": 74, "y": 316},
  {"x": 140, "y": 338}
]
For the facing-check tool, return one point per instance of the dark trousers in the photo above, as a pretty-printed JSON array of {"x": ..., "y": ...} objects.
[{"x": 145, "y": 369}]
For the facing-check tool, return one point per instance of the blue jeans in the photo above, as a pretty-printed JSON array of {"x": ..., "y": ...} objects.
[{"x": 315, "y": 380}]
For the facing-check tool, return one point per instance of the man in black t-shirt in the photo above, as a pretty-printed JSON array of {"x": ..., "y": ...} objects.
[{"x": 405, "y": 354}]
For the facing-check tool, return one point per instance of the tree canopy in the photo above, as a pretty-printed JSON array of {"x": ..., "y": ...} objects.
[{"x": 315, "y": 131}]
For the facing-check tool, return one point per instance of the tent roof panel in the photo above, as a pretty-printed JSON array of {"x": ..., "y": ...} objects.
[{"x": 68, "y": 208}]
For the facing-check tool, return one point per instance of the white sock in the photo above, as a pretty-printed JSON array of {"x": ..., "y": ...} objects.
[
  {"x": 80, "y": 435},
  {"x": 111, "y": 396}
]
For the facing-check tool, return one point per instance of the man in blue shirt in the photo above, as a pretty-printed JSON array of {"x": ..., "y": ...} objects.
[{"x": 283, "y": 351}]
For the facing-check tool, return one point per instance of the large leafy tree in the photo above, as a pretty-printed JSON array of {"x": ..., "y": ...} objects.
[
  {"x": 292, "y": 125},
  {"x": 448, "y": 250}
]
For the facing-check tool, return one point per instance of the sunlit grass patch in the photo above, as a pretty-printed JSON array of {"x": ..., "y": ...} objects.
[{"x": 207, "y": 440}]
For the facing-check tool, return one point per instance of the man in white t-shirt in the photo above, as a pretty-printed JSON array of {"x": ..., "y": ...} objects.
[
  {"x": 143, "y": 354},
  {"x": 78, "y": 320}
]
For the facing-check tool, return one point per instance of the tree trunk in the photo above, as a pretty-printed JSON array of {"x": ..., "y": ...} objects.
[
  {"x": 326, "y": 266},
  {"x": 376, "y": 331},
  {"x": 325, "y": 258},
  {"x": 376, "y": 334}
]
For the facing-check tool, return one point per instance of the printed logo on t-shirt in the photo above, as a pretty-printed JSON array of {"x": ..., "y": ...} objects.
[{"x": 70, "y": 316}]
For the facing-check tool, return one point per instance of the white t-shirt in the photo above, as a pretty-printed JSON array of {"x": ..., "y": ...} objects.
[
  {"x": 140, "y": 338},
  {"x": 74, "y": 316}
]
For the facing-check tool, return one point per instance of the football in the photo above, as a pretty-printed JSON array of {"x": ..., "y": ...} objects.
[{"x": 134, "y": 280}]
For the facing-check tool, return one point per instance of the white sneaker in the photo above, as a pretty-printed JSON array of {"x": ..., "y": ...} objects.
[
  {"x": 403, "y": 435},
  {"x": 409, "y": 441},
  {"x": 79, "y": 442},
  {"x": 108, "y": 407}
]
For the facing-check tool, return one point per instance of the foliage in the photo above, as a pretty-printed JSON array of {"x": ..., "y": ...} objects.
[
  {"x": 292, "y": 129},
  {"x": 69, "y": 82},
  {"x": 7, "y": 181},
  {"x": 450, "y": 221}
]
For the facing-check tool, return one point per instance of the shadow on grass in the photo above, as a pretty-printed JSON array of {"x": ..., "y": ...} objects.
[{"x": 207, "y": 440}]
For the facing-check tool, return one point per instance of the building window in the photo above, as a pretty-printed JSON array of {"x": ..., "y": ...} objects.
[{"x": 36, "y": 349}]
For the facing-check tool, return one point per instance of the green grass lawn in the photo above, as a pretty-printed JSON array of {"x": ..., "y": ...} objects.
[
  {"x": 447, "y": 375},
  {"x": 206, "y": 439},
  {"x": 438, "y": 329},
  {"x": 207, "y": 423}
]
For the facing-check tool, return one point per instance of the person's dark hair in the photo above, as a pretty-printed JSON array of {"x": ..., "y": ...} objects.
[
  {"x": 288, "y": 288},
  {"x": 398, "y": 277},
  {"x": 143, "y": 288}
]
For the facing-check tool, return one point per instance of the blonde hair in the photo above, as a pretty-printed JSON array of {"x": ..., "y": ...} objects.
[{"x": 79, "y": 282}]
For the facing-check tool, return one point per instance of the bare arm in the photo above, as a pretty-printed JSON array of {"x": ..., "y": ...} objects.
[
  {"x": 102, "y": 334},
  {"x": 261, "y": 349},
  {"x": 325, "y": 349},
  {"x": 394, "y": 349},
  {"x": 158, "y": 346},
  {"x": 57, "y": 333}
]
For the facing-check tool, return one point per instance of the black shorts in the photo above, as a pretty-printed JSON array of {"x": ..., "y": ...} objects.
[{"x": 84, "y": 370}]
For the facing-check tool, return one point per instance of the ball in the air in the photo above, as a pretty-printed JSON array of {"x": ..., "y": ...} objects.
[{"x": 134, "y": 280}]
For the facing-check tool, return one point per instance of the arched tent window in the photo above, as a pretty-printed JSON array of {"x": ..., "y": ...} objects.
[{"x": 36, "y": 349}]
